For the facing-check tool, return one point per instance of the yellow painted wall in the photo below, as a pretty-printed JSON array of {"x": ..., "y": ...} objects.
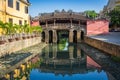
[
  {"x": 17, "y": 15},
  {"x": 2, "y": 10},
  {"x": 8, "y": 12},
  {"x": 118, "y": 3},
  {"x": 13, "y": 13}
]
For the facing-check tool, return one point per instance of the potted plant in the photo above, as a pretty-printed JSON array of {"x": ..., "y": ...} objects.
[{"x": 2, "y": 40}]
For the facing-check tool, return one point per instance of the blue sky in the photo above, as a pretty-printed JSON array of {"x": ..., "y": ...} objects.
[{"x": 41, "y": 6}]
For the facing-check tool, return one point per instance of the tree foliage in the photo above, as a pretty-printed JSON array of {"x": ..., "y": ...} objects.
[
  {"x": 115, "y": 16},
  {"x": 9, "y": 28},
  {"x": 91, "y": 14}
]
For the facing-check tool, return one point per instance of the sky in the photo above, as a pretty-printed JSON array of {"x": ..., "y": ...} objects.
[{"x": 47, "y": 6}]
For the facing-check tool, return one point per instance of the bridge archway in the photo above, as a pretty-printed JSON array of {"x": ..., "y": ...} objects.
[
  {"x": 62, "y": 34},
  {"x": 75, "y": 36},
  {"x": 43, "y": 36},
  {"x": 82, "y": 35},
  {"x": 50, "y": 36}
]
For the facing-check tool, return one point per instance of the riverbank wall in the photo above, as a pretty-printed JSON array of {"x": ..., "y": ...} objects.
[
  {"x": 14, "y": 46},
  {"x": 109, "y": 48}
]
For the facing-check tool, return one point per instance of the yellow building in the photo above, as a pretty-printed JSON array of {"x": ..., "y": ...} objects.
[
  {"x": 14, "y": 11},
  {"x": 117, "y": 3}
]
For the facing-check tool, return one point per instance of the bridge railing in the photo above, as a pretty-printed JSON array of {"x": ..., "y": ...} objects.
[{"x": 63, "y": 25}]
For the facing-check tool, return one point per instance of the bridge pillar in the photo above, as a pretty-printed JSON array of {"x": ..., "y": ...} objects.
[
  {"x": 54, "y": 36},
  {"x": 78, "y": 53},
  {"x": 47, "y": 52},
  {"x": 54, "y": 51},
  {"x": 71, "y": 49},
  {"x": 78, "y": 36},
  {"x": 71, "y": 36},
  {"x": 47, "y": 36}
]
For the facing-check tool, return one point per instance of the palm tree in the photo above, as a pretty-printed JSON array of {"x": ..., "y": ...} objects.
[{"x": 3, "y": 28}]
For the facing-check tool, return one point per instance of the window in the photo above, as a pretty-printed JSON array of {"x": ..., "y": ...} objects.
[
  {"x": 20, "y": 22},
  {"x": 17, "y": 6},
  {"x": 10, "y": 3},
  {"x": 26, "y": 9},
  {"x": 10, "y": 20}
]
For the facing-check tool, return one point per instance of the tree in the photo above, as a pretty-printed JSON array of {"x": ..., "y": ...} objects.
[
  {"x": 91, "y": 14},
  {"x": 114, "y": 16}
]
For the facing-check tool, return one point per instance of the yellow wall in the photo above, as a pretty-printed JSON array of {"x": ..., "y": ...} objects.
[
  {"x": 2, "y": 8},
  {"x": 118, "y": 2},
  {"x": 8, "y": 12}
]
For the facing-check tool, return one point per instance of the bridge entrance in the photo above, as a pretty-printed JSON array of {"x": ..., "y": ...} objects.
[
  {"x": 43, "y": 36},
  {"x": 50, "y": 36},
  {"x": 75, "y": 36},
  {"x": 62, "y": 34}
]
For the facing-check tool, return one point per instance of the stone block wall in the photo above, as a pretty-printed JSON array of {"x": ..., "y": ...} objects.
[
  {"x": 109, "y": 48},
  {"x": 10, "y": 47}
]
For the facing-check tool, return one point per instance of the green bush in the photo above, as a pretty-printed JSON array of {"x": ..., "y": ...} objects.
[{"x": 9, "y": 28}]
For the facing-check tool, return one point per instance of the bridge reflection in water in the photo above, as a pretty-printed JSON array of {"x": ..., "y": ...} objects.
[
  {"x": 59, "y": 62},
  {"x": 70, "y": 63}
]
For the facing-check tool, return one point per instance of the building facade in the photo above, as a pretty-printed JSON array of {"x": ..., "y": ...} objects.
[
  {"x": 14, "y": 11},
  {"x": 111, "y": 5}
]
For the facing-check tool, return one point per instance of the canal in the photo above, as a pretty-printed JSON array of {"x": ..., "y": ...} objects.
[{"x": 63, "y": 61}]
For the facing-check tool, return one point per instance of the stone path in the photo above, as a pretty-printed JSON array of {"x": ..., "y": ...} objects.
[
  {"x": 112, "y": 37},
  {"x": 103, "y": 59}
]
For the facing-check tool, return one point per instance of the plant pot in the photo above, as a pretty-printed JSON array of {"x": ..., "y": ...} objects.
[
  {"x": 2, "y": 42},
  {"x": 35, "y": 35},
  {"x": 24, "y": 37},
  {"x": 10, "y": 40},
  {"x": 17, "y": 39},
  {"x": 28, "y": 37},
  {"x": 32, "y": 36}
]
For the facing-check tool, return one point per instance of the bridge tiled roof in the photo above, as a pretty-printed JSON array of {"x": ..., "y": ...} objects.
[{"x": 62, "y": 15}]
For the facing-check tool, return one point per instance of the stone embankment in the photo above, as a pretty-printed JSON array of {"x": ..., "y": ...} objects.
[
  {"x": 10, "y": 62},
  {"x": 107, "y": 47},
  {"x": 111, "y": 67},
  {"x": 14, "y": 46}
]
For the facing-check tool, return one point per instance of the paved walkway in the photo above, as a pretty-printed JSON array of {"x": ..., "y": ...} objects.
[{"x": 112, "y": 37}]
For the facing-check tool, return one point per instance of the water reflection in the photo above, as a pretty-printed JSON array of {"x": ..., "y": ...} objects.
[{"x": 68, "y": 63}]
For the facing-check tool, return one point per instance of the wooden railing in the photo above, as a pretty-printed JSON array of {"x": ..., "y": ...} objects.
[{"x": 63, "y": 26}]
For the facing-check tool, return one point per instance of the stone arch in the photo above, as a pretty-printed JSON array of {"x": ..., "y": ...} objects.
[
  {"x": 82, "y": 35},
  {"x": 50, "y": 36},
  {"x": 75, "y": 36},
  {"x": 64, "y": 34},
  {"x": 43, "y": 36}
]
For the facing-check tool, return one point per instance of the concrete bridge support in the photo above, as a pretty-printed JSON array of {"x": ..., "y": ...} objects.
[
  {"x": 47, "y": 52},
  {"x": 71, "y": 36},
  {"x": 47, "y": 36},
  {"x": 71, "y": 49},
  {"x": 78, "y": 36},
  {"x": 54, "y": 36},
  {"x": 54, "y": 51},
  {"x": 78, "y": 53}
]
